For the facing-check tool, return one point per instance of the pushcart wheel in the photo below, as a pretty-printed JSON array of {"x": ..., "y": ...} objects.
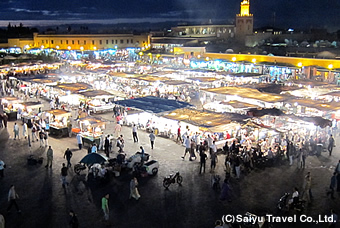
[
  {"x": 166, "y": 183},
  {"x": 77, "y": 169},
  {"x": 154, "y": 171},
  {"x": 179, "y": 180}
]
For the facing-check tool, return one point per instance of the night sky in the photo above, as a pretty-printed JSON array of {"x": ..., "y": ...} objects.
[{"x": 289, "y": 13}]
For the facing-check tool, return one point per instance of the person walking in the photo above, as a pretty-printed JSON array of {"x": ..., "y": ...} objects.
[
  {"x": 46, "y": 138},
  {"x": 337, "y": 170},
  {"x": 12, "y": 197},
  {"x": 118, "y": 129},
  {"x": 41, "y": 138},
  {"x": 107, "y": 146},
  {"x": 133, "y": 189},
  {"x": 203, "y": 158},
  {"x": 79, "y": 141},
  {"x": 49, "y": 157},
  {"x": 134, "y": 133},
  {"x": 68, "y": 155},
  {"x": 105, "y": 207},
  {"x": 24, "y": 130},
  {"x": 330, "y": 145},
  {"x": 2, "y": 168},
  {"x": 74, "y": 223},
  {"x": 16, "y": 131},
  {"x": 5, "y": 119},
  {"x": 179, "y": 136},
  {"x": 307, "y": 188},
  {"x": 34, "y": 130},
  {"x": 64, "y": 175},
  {"x": 332, "y": 185},
  {"x": 152, "y": 139},
  {"x": 213, "y": 161},
  {"x": 187, "y": 147}
]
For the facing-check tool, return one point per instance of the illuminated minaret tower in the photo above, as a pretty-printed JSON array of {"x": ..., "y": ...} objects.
[{"x": 244, "y": 21}]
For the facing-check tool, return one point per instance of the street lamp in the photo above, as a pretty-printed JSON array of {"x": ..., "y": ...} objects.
[
  {"x": 94, "y": 48},
  {"x": 299, "y": 64},
  {"x": 233, "y": 59},
  {"x": 69, "y": 48}
]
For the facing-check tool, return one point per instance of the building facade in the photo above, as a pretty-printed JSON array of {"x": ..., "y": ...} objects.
[{"x": 90, "y": 42}]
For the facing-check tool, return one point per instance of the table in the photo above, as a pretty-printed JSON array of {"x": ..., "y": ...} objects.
[
  {"x": 90, "y": 140},
  {"x": 11, "y": 115},
  {"x": 59, "y": 132}
]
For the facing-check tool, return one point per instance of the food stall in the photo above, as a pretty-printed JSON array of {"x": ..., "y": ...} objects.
[
  {"x": 205, "y": 122},
  {"x": 67, "y": 92},
  {"x": 91, "y": 129},
  {"x": 98, "y": 100},
  {"x": 31, "y": 109},
  {"x": 58, "y": 120},
  {"x": 10, "y": 107}
]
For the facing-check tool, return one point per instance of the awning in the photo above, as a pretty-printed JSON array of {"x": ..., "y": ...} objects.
[{"x": 153, "y": 104}]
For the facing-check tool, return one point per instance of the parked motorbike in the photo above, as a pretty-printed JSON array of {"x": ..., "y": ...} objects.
[
  {"x": 171, "y": 179},
  {"x": 78, "y": 168},
  {"x": 298, "y": 206}
]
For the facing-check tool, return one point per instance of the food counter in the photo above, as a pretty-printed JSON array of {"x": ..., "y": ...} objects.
[
  {"x": 59, "y": 121},
  {"x": 91, "y": 129}
]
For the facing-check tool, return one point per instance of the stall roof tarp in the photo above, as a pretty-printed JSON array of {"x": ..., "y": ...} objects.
[
  {"x": 327, "y": 107},
  {"x": 95, "y": 93},
  {"x": 10, "y": 99},
  {"x": 205, "y": 119},
  {"x": 204, "y": 79},
  {"x": 238, "y": 104},
  {"x": 74, "y": 87},
  {"x": 57, "y": 112},
  {"x": 248, "y": 93},
  {"x": 311, "y": 83},
  {"x": 153, "y": 78},
  {"x": 176, "y": 82},
  {"x": 317, "y": 120},
  {"x": 265, "y": 111},
  {"x": 91, "y": 120},
  {"x": 255, "y": 75},
  {"x": 153, "y": 104},
  {"x": 32, "y": 103},
  {"x": 271, "y": 88}
]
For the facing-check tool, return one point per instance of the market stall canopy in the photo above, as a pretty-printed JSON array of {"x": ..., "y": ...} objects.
[
  {"x": 74, "y": 87},
  {"x": 255, "y": 112},
  {"x": 176, "y": 82},
  {"x": 32, "y": 104},
  {"x": 9, "y": 99},
  {"x": 238, "y": 104},
  {"x": 206, "y": 120},
  {"x": 253, "y": 124},
  {"x": 316, "y": 120},
  {"x": 248, "y": 93},
  {"x": 244, "y": 74},
  {"x": 91, "y": 120},
  {"x": 271, "y": 87},
  {"x": 95, "y": 93},
  {"x": 203, "y": 79},
  {"x": 59, "y": 112},
  {"x": 153, "y": 104},
  {"x": 310, "y": 83},
  {"x": 309, "y": 103},
  {"x": 153, "y": 78}
]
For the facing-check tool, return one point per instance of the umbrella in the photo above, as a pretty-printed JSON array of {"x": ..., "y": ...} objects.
[{"x": 93, "y": 158}]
